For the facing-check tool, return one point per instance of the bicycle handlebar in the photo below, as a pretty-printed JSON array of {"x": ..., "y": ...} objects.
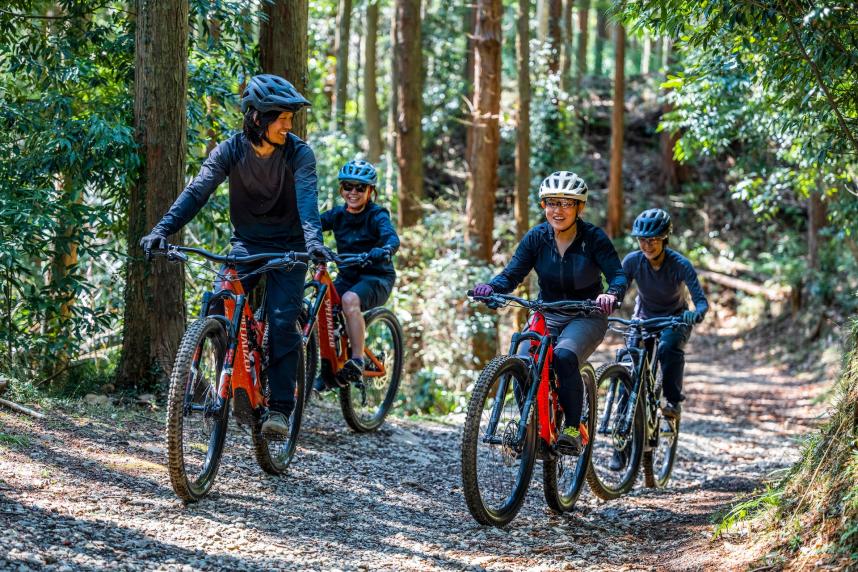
[
  {"x": 499, "y": 300},
  {"x": 175, "y": 252},
  {"x": 652, "y": 324}
]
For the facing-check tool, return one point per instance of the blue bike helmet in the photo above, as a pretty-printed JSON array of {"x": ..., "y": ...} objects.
[
  {"x": 269, "y": 92},
  {"x": 359, "y": 172},
  {"x": 652, "y": 223}
]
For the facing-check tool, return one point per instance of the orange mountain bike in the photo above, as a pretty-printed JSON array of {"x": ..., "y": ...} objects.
[
  {"x": 222, "y": 360},
  {"x": 367, "y": 401}
]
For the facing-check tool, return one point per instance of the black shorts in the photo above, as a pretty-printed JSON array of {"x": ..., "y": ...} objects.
[{"x": 372, "y": 291}]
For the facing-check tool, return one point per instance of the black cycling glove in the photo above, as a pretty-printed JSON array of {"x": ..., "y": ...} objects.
[
  {"x": 379, "y": 255},
  {"x": 153, "y": 241},
  {"x": 321, "y": 254},
  {"x": 691, "y": 317}
]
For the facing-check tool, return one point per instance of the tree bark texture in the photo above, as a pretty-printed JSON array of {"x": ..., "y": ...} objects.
[
  {"x": 408, "y": 85},
  {"x": 154, "y": 292},
  {"x": 568, "y": 43},
  {"x": 673, "y": 173},
  {"x": 341, "y": 51},
  {"x": 483, "y": 176},
  {"x": 646, "y": 56},
  {"x": 583, "y": 40},
  {"x": 615, "y": 217},
  {"x": 542, "y": 20},
  {"x": 372, "y": 114},
  {"x": 283, "y": 48},
  {"x": 555, "y": 34},
  {"x": 599, "y": 44},
  {"x": 522, "y": 141},
  {"x": 817, "y": 215}
]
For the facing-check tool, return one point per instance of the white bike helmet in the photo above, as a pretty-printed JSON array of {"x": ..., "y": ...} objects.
[{"x": 564, "y": 185}]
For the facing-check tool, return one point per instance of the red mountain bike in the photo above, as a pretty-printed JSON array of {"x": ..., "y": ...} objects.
[
  {"x": 514, "y": 417},
  {"x": 366, "y": 402},
  {"x": 222, "y": 360}
]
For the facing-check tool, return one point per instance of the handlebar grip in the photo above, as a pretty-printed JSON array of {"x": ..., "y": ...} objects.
[{"x": 469, "y": 293}]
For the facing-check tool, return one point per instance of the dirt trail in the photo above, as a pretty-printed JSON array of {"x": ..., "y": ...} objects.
[{"x": 88, "y": 490}]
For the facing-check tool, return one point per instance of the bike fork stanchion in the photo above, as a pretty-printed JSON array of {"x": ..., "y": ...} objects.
[{"x": 609, "y": 402}]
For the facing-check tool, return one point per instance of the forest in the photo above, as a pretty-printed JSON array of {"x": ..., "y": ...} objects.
[{"x": 739, "y": 117}]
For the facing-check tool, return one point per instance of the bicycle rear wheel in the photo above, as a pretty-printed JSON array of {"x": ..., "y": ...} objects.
[
  {"x": 196, "y": 416},
  {"x": 613, "y": 386},
  {"x": 563, "y": 476},
  {"x": 658, "y": 463},
  {"x": 312, "y": 362},
  {"x": 274, "y": 455},
  {"x": 366, "y": 402},
  {"x": 496, "y": 467}
]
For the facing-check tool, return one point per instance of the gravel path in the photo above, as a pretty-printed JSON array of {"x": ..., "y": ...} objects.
[{"x": 88, "y": 490}]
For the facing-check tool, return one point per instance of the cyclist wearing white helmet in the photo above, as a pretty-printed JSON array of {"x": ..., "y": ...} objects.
[
  {"x": 569, "y": 256},
  {"x": 273, "y": 206},
  {"x": 360, "y": 226}
]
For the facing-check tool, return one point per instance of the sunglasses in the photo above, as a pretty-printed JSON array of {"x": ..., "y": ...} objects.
[
  {"x": 650, "y": 241},
  {"x": 353, "y": 187},
  {"x": 559, "y": 203}
]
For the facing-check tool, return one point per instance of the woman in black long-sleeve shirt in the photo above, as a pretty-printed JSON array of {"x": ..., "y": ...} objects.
[{"x": 569, "y": 256}]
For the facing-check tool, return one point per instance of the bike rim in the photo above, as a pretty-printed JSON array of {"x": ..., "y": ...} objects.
[
  {"x": 372, "y": 395},
  {"x": 662, "y": 455},
  {"x": 204, "y": 415},
  {"x": 501, "y": 466},
  {"x": 612, "y": 440}
]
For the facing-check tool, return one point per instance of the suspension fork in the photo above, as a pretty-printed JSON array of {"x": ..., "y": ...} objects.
[
  {"x": 321, "y": 290},
  {"x": 533, "y": 383},
  {"x": 224, "y": 389}
]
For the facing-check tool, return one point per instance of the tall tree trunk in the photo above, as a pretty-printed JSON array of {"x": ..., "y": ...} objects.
[
  {"x": 372, "y": 114},
  {"x": 341, "y": 51},
  {"x": 283, "y": 48},
  {"x": 542, "y": 17},
  {"x": 522, "y": 141},
  {"x": 212, "y": 108},
  {"x": 408, "y": 84},
  {"x": 470, "y": 22},
  {"x": 583, "y": 39},
  {"x": 673, "y": 173},
  {"x": 615, "y": 217},
  {"x": 599, "y": 44},
  {"x": 647, "y": 53},
  {"x": 555, "y": 34},
  {"x": 568, "y": 39},
  {"x": 666, "y": 54},
  {"x": 817, "y": 215},
  {"x": 483, "y": 176},
  {"x": 154, "y": 293}
]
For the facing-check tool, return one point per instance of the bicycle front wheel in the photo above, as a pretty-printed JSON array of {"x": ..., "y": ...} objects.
[
  {"x": 658, "y": 463},
  {"x": 496, "y": 464},
  {"x": 274, "y": 455},
  {"x": 563, "y": 476},
  {"x": 366, "y": 402},
  {"x": 196, "y": 416},
  {"x": 617, "y": 448}
]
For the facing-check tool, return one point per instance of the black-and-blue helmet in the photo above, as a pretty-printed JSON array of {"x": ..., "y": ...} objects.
[
  {"x": 268, "y": 92},
  {"x": 652, "y": 223},
  {"x": 359, "y": 172}
]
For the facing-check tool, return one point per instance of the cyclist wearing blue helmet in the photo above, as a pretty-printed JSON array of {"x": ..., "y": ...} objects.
[
  {"x": 273, "y": 206},
  {"x": 660, "y": 273},
  {"x": 360, "y": 226}
]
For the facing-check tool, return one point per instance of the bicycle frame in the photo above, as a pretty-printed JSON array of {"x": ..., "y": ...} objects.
[
  {"x": 540, "y": 388},
  {"x": 323, "y": 310},
  {"x": 242, "y": 366}
]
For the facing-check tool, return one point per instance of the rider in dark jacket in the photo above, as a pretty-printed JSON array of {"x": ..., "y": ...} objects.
[
  {"x": 361, "y": 226},
  {"x": 569, "y": 256},
  {"x": 273, "y": 206}
]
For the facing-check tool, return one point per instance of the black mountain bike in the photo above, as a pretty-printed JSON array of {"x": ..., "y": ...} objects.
[
  {"x": 514, "y": 417},
  {"x": 630, "y": 421}
]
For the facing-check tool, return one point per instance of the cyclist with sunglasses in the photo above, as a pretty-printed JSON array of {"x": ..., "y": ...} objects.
[
  {"x": 569, "y": 256},
  {"x": 360, "y": 226},
  {"x": 273, "y": 206},
  {"x": 660, "y": 273}
]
